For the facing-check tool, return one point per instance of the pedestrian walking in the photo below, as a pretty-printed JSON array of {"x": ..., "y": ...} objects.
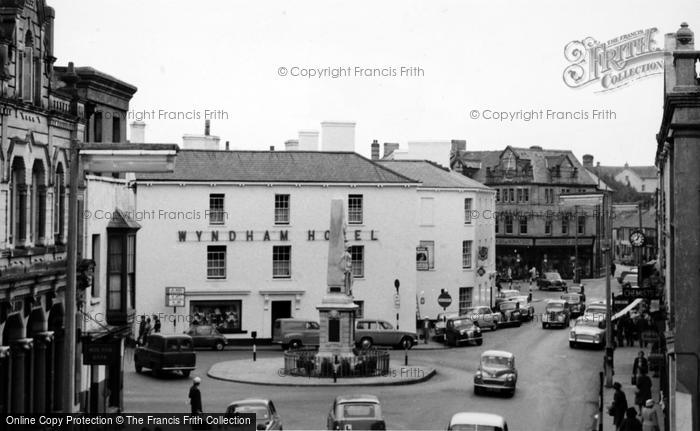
[
  {"x": 533, "y": 274},
  {"x": 156, "y": 324},
  {"x": 618, "y": 409},
  {"x": 142, "y": 329},
  {"x": 628, "y": 328},
  {"x": 620, "y": 333},
  {"x": 147, "y": 329},
  {"x": 643, "y": 389},
  {"x": 641, "y": 329},
  {"x": 650, "y": 420},
  {"x": 196, "y": 397},
  {"x": 529, "y": 295},
  {"x": 641, "y": 364},
  {"x": 631, "y": 423}
]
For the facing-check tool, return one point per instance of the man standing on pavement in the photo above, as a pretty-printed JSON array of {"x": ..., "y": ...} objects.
[
  {"x": 618, "y": 409},
  {"x": 641, "y": 365},
  {"x": 196, "y": 397},
  {"x": 643, "y": 389}
]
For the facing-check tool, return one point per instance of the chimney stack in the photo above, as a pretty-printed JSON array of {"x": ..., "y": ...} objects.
[
  {"x": 587, "y": 161},
  {"x": 337, "y": 136},
  {"x": 207, "y": 127},
  {"x": 138, "y": 132},
  {"x": 308, "y": 140},
  {"x": 375, "y": 150},
  {"x": 291, "y": 145},
  {"x": 389, "y": 148},
  {"x": 227, "y": 146}
]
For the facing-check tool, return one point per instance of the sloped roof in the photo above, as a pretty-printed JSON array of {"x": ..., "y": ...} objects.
[
  {"x": 644, "y": 171},
  {"x": 631, "y": 219},
  {"x": 431, "y": 175},
  {"x": 121, "y": 220},
  {"x": 540, "y": 159},
  {"x": 602, "y": 184},
  {"x": 276, "y": 166}
]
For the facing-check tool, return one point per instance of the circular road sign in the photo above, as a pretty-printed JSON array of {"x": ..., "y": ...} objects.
[{"x": 444, "y": 300}]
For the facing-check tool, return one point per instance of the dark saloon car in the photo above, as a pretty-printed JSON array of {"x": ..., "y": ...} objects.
[
  {"x": 527, "y": 310},
  {"x": 577, "y": 288},
  {"x": 207, "y": 336},
  {"x": 496, "y": 372},
  {"x": 556, "y": 313},
  {"x": 576, "y": 305},
  {"x": 551, "y": 281},
  {"x": 358, "y": 412},
  {"x": 266, "y": 416},
  {"x": 510, "y": 313},
  {"x": 166, "y": 353},
  {"x": 462, "y": 330}
]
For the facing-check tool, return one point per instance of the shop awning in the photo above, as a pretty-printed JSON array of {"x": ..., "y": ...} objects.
[{"x": 627, "y": 309}]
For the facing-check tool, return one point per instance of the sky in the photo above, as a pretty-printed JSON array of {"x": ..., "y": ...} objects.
[{"x": 224, "y": 58}]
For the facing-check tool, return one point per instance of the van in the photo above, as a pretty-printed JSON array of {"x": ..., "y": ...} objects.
[
  {"x": 295, "y": 333},
  {"x": 166, "y": 353}
]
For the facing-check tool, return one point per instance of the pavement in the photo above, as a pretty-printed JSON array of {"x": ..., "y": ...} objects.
[
  {"x": 268, "y": 371},
  {"x": 624, "y": 361}
]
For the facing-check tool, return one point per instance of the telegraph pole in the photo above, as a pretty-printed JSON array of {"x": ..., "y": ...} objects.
[{"x": 609, "y": 351}]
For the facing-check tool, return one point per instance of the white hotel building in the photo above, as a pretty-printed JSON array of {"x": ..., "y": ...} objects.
[{"x": 243, "y": 232}]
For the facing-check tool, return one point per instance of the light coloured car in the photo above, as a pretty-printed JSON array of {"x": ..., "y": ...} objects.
[
  {"x": 266, "y": 416},
  {"x": 369, "y": 332},
  {"x": 589, "y": 329},
  {"x": 359, "y": 412},
  {"x": 473, "y": 421},
  {"x": 496, "y": 372},
  {"x": 484, "y": 317},
  {"x": 527, "y": 310}
]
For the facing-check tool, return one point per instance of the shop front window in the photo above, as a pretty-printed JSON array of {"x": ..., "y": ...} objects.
[{"x": 225, "y": 316}]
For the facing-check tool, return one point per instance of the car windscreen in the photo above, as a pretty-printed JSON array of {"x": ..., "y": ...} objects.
[
  {"x": 555, "y": 306},
  {"x": 359, "y": 410},
  {"x": 572, "y": 298},
  {"x": 495, "y": 361},
  {"x": 552, "y": 276},
  {"x": 386, "y": 325},
  {"x": 593, "y": 323},
  {"x": 462, "y": 323},
  {"x": 261, "y": 413},
  {"x": 507, "y": 306}
]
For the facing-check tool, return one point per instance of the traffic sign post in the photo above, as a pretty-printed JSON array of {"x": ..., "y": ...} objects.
[
  {"x": 397, "y": 301},
  {"x": 444, "y": 300}
]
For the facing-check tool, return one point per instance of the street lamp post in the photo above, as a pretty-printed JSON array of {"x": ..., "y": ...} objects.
[
  {"x": 576, "y": 277},
  {"x": 609, "y": 351}
]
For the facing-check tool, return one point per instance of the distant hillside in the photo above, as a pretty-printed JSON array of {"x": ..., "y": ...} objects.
[{"x": 624, "y": 193}]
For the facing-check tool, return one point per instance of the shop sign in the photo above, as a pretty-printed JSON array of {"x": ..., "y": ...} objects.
[
  {"x": 100, "y": 353},
  {"x": 266, "y": 235},
  {"x": 564, "y": 241},
  {"x": 525, "y": 242},
  {"x": 422, "y": 263}
]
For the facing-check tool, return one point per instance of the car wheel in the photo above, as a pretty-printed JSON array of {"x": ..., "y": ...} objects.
[
  {"x": 495, "y": 326},
  {"x": 479, "y": 342},
  {"x": 519, "y": 324},
  {"x": 219, "y": 346},
  {"x": 477, "y": 390},
  {"x": 572, "y": 344},
  {"x": 511, "y": 393},
  {"x": 139, "y": 369},
  {"x": 545, "y": 326},
  {"x": 186, "y": 373},
  {"x": 405, "y": 343},
  {"x": 284, "y": 346},
  {"x": 295, "y": 344},
  {"x": 366, "y": 343}
]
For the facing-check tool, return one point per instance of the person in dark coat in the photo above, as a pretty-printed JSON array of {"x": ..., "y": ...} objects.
[
  {"x": 619, "y": 405},
  {"x": 156, "y": 324},
  {"x": 620, "y": 333},
  {"x": 142, "y": 330},
  {"x": 643, "y": 389},
  {"x": 640, "y": 364},
  {"x": 631, "y": 423},
  {"x": 196, "y": 397}
]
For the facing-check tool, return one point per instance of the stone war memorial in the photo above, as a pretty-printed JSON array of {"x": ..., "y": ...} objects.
[{"x": 336, "y": 354}]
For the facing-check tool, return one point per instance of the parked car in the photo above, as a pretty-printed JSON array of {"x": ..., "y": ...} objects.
[
  {"x": 477, "y": 421},
  {"x": 506, "y": 295},
  {"x": 358, "y": 412},
  {"x": 589, "y": 329},
  {"x": 207, "y": 336},
  {"x": 527, "y": 310},
  {"x": 266, "y": 416},
  {"x": 577, "y": 288},
  {"x": 556, "y": 313},
  {"x": 440, "y": 323},
  {"x": 510, "y": 313},
  {"x": 597, "y": 307},
  {"x": 295, "y": 333},
  {"x": 166, "y": 353},
  {"x": 496, "y": 372},
  {"x": 484, "y": 317},
  {"x": 369, "y": 332},
  {"x": 576, "y": 305},
  {"x": 551, "y": 280},
  {"x": 462, "y": 329},
  {"x": 623, "y": 274}
]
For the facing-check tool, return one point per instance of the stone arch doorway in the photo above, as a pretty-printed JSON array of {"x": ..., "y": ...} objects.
[
  {"x": 54, "y": 362},
  {"x": 19, "y": 364},
  {"x": 42, "y": 340}
]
